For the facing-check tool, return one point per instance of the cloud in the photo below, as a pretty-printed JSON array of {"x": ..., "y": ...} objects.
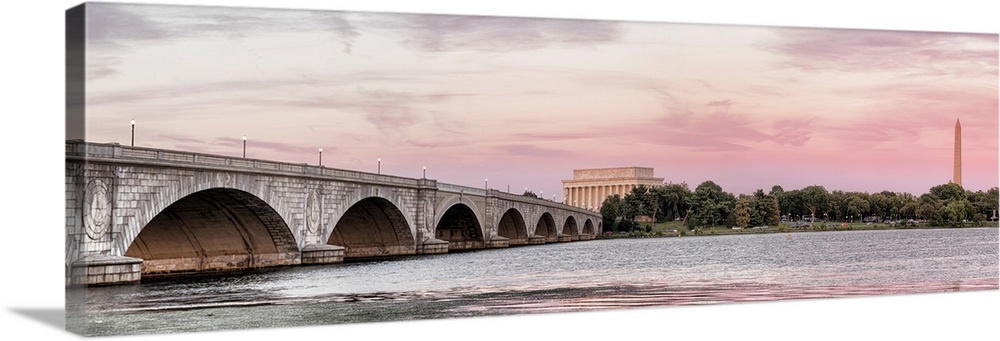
[
  {"x": 795, "y": 132},
  {"x": 435, "y": 33},
  {"x": 725, "y": 103},
  {"x": 112, "y": 27},
  {"x": 915, "y": 53},
  {"x": 181, "y": 138},
  {"x": 279, "y": 148},
  {"x": 108, "y": 22},
  {"x": 714, "y": 130},
  {"x": 532, "y": 151},
  {"x": 115, "y": 24},
  {"x": 556, "y": 136}
]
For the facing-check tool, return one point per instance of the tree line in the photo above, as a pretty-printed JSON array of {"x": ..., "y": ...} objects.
[{"x": 708, "y": 205}]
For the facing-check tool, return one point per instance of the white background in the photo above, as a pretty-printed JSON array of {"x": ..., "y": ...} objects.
[{"x": 33, "y": 226}]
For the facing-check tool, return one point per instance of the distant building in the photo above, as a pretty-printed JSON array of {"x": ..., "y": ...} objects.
[{"x": 590, "y": 187}]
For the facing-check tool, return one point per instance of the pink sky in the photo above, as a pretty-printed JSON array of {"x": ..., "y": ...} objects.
[{"x": 523, "y": 102}]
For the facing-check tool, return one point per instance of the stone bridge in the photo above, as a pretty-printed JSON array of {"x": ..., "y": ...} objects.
[{"x": 133, "y": 212}]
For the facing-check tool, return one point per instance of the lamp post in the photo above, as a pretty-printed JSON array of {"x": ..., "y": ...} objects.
[
  {"x": 378, "y": 170},
  {"x": 133, "y": 133},
  {"x": 321, "y": 157},
  {"x": 244, "y": 146},
  {"x": 425, "y": 172},
  {"x": 486, "y": 184}
]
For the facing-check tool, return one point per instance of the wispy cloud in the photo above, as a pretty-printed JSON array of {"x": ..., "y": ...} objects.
[
  {"x": 276, "y": 147},
  {"x": 531, "y": 151},
  {"x": 795, "y": 132},
  {"x": 113, "y": 27},
  {"x": 725, "y": 103},
  {"x": 129, "y": 23},
  {"x": 435, "y": 33},
  {"x": 926, "y": 53}
]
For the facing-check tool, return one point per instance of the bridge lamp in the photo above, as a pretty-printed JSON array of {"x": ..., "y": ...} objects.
[
  {"x": 133, "y": 133},
  {"x": 244, "y": 146},
  {"x": 487, "y": 181},
  {"x": 321, "y": 157},
  {"x": 425, "y": 172},
  {"x": 379, "y": 169}
]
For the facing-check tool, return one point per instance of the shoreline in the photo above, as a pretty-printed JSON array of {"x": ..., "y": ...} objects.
[{"x": 773, "y": 230}]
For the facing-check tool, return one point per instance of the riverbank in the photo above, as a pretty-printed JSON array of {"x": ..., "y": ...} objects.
[{"x": 676, "y": 229}]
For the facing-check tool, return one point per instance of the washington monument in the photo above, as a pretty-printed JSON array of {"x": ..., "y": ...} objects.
[{"x": 958, "y": 153}]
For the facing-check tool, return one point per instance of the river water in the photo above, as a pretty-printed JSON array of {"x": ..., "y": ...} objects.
[{"x": 563, "y": 277}]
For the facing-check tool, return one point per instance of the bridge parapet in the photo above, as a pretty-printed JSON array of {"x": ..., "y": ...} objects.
[
  {"x": 119, "y": 153},
  {"x": 445, "y": 187},
  {"x": 539, "y": 201},
  {"x": 452, "y": 188}
]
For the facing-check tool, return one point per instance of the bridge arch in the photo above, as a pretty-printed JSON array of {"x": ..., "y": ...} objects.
[
  {"x": 570, "y": 228},
  {"x": 512, "y": 227},
  {"x": 444, "y": 205},
  {"x": 461, "y": 227},
  {"x": 546, "y": 227},
  {"x": 373, "y": 227},
  {"x": 588, "y": 227},
  {"x": 212, "y": 230}
]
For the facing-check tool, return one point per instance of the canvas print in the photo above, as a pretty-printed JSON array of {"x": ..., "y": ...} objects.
[{"x": 232, "y": 168}]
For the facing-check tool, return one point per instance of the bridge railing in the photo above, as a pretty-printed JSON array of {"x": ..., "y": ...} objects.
[
  {"x": 78, "y": 148},
  {"x": 445, "y": 187},
  {"x": 452, "y": 188},
  {"x": 539, "y": 201}
]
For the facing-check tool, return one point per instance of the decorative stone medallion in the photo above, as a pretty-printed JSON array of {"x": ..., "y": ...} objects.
[
  {"x": 313, "y": 213},
  {"x": 96, "y": 208}
]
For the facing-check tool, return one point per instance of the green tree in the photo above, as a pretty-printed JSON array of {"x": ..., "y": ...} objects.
[
  {"x": 742, "y": 212},
  {"x": 953, "y": 213},
  {"x": 879, "y": 205},
  {"x": 909, "y": 210},
  {"x": 947, "y": 192},
  {"x": 704, "y": 201},
  {"x": 815, "y": 199},
  {"x": 674, "y": 200},
  {"x": 776, "y": 213},
  {"x": 611, "y": 212},
  {"x": 926, "y": 211},
  {"x": 984, "y": 204},
  {"x": 838, "y": 205},
  {"x": 857, "y": 206},
  {"x": 764, "y": 209},
  {"x": 637, "y": 203},
  {"x": 791, "y": 203}
]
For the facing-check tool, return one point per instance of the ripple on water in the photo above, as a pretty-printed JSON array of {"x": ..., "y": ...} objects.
[{"x": 562, "y": 277}]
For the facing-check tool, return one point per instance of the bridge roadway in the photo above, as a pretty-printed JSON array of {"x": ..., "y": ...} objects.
[{"x": 134, "y": 211}]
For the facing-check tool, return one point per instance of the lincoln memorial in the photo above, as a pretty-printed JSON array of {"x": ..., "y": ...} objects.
[{"x": 590, "y": 187}]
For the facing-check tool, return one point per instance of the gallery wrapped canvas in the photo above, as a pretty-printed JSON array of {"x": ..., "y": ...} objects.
[{"x": 236, "y": 168}]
